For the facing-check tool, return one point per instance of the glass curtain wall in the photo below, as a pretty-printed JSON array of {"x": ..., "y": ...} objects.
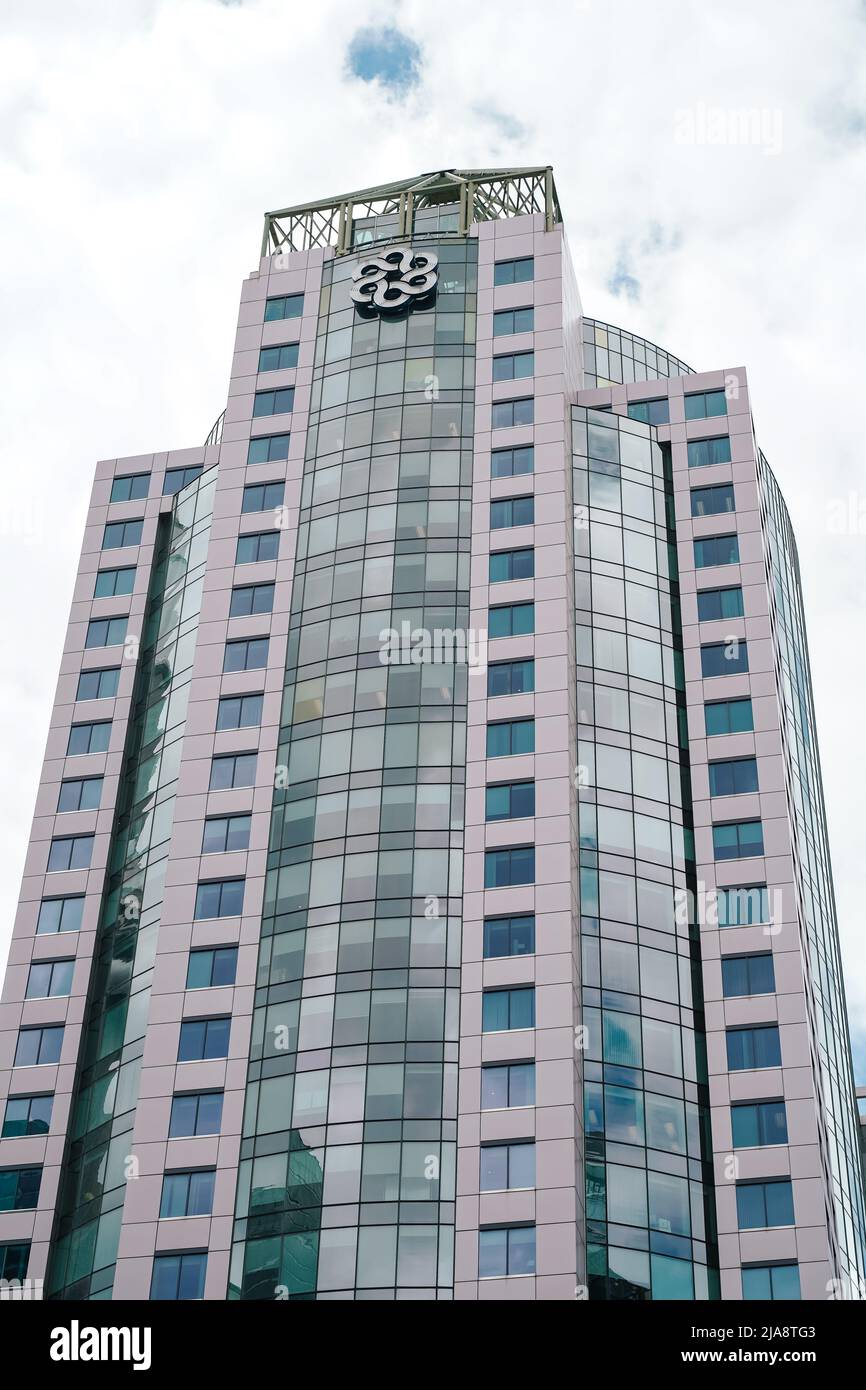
[
  {"x": 612, "y": 355},
  {"x": 87, "y": 1228},
  {"x": 817, "y": 900},
  {"x": 347, "y": 1185},
  {"x": 650, "y": 1214}
]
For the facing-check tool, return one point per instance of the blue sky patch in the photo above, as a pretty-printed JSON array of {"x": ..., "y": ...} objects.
[
  {"x": 385, "y": 55},
  {"x": 622, "y": 282}
]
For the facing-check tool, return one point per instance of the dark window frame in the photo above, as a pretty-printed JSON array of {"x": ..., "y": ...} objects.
[
  {"x": 277, "y": 450},
  {"x": 505, "y": 854},
  {"x": 279, "y": 348},
  {"x": 135, "y": 492},
  {"x": 98, "y": 671},
  {"x": 120, "y": 528},
  {"x": 511, "y": 667},
  {"x": 519, "y": 405},
  {"x": 233, "y": 758},
  {"x": 502, "y": 317},
  {"x": 512, "y": 263},
  {"x": 228, "y": 893},
  {"x": 517, "y": 927},
  {"x": 695, "y": 447},
  {"x": 498, "y": 456},
  {"x": 277, "y": 305}
]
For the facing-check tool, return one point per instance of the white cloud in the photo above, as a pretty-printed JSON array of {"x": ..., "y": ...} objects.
[{"x": 141, "y": 143}]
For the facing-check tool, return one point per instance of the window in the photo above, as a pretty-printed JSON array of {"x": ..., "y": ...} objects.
[
  {"x": 220, "y": 898},
  {"x": 132, "y": 487},
  {"x": 261, "y": 545},
  {"x": 178, "y": 1277},
  {"x": 88, "y": 738},
  {"x": 743, "y": 975},
  {"x": 511, "y": 620},
  {"x": 272, "y": 359},
  {"x": 506, "y": 415},
  {"x": 507, "y": 321},
  {"x": 516, "y": 272},
  {"x": 703, "y": 405},
  {"x": 202, "y": 1039},
  {"x": 80, "y": 794},
  {"x": 759, "y": 1122},
  {"x": 225, "y": 834},
  {"x": 195, "y": 1114},
  {"x": 240, "y": 712},
  {"x": 508, "y": 1087},
  {"x": 749, "y": 1049},
  {"x": 510, "y": 678},
  {"x": 251, "y": 598},
  {"x": 233, "y": 770},
  {"x": 212, "y": 968},
  {"x": 704, "y": 452},
  {"x": 714, "y": 604},
  {"x": 716, "y": 550},
  {"x": 279, "y": 402},
  {"x": 506, "y": 565},
  {"x": 738, "y": 840},
  {"x": 728, "y": 717},
  {"x": 114, "y": 583},
  {"x": 507, "y": 1165},
  {"x": 510, "y": 801},
  {"x": 248, "y": 654},
  {"x": 511, "y": 737},
  {"x": 37, "y": 1047},
  {"x": 262, "y": 497},
  {"x": 69, "y": 852},
  {"x": 512, "y": 463},
  {"x": 98, "y": 685},
  {"x": 505, "y": 868},
  {"x": 655, "y": 412},
  {"x": 724, "y": 658},
  {"x": 508, "y": 936},
  {"x": 734, "y": 778},
  {"x": 511, "y": 511},
  {"x": 743, "y": 907},
  {"x": 50, "y": 979},
  {"x": 118, "y": 534},
  {"x": 771, "y": 1283},
  {"x": 505, "y": 1009},
  {"x": 513, "y": 366},
  {"x": 506, "y": 1250},
  {"x": 712, "y": 501},
  {"x": 187, "y": 1194},
  {"x": 59, "y": 914},
  {"x": 14, "y": 1259},
  {"x": 763, "y": 1204},
  {"x": 283, "y": 306},
  {"x": 26, "y": 1115},
  {"x": 177, "y": 478},
  {"x": 19, "y": 1188},
  {"x": 266, "y": 448},
  {"x": 106, "y": 632}
]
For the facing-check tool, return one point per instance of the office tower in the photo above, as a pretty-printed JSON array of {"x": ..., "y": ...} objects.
[
  {"x": 429, "y": 894},
  {"x": 861, "y": 1117}
]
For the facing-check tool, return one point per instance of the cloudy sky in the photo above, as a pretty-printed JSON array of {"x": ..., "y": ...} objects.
[{"x": 141, "y": 141}]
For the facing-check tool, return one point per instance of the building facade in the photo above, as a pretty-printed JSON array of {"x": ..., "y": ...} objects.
[{"x": 428, "y": 894}]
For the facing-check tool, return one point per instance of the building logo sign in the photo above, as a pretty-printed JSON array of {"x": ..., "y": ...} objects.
[{"x": 395, "y": 279}]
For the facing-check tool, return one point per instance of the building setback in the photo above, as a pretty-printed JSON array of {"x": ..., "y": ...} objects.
[{"x": 429, "y": 894}]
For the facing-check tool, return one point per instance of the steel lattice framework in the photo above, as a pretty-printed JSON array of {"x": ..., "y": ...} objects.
[{"x": 478, "y": 195}]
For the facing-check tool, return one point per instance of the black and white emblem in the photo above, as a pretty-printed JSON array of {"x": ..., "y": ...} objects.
[{"x": 390, "y": 280}]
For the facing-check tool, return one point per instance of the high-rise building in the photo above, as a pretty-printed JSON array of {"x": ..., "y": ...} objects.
[{"x": 429, "y": 893}]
